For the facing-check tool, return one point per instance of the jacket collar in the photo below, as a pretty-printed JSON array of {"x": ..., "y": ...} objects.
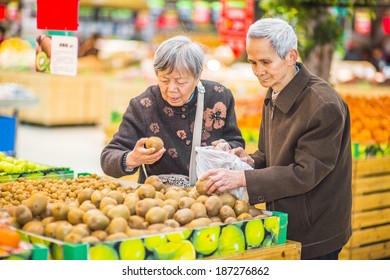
[{"x": 291, "y": 92}]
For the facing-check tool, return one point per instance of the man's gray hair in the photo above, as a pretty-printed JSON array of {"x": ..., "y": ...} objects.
[
  {"x": 281, "y": 35},
  {"x": 179, "y": 53}
]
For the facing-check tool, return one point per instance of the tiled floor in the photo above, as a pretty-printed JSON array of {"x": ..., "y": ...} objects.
[{"x": 77, "y": 147}]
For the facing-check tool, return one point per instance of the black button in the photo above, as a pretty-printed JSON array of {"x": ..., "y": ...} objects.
[
  {"x": 183, "y": 116},
  {"x": 184, "y": 108},
  {"x": 260, "y": 199},
  {"x": 188, "y": 142}
]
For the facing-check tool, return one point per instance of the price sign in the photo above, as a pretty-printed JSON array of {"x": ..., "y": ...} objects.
[
  {"x": 57, "y": 15},
  {"x": 236, "y": 17}
]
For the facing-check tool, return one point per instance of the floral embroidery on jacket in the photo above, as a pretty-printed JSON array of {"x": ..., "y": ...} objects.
[
  {"x": 155, "y": 128},
  {"x": 146, "y": 102},
  {"x": 215, "y": 118},
  {"x": 172, "y": 152},
  {"x": 181, "y": 134},
  {"x": 168, "y": 111},
  {"x": 219, "y": 89}
]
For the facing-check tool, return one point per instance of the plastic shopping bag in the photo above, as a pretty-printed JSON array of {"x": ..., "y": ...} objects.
[{"x": 208, "y": 158}]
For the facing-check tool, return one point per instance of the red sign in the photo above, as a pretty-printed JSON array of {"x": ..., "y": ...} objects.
[
  {"x": 2, "y": 12},
  {"x": 386, "y": 23},
  {"x": 57, "y": 15},
  {"x": 363, "y": 22},
  {"x": 236, "y": 17}
]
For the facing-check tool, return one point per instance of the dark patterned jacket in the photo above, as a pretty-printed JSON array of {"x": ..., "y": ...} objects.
[{"x": 150, "y": 115}]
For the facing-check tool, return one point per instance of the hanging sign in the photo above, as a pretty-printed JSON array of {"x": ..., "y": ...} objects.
[
  {"x": 386, "y": 23},
  {"x": 56, "y": 55},
  {"x": 2, "y": 12},
  {"x": 236, "y": 17},
  {"x": 57, "y": 15},
  {"x": 363, "y": 22}
]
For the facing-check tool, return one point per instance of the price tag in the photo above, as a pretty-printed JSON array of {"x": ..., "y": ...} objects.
[{"x": 57, "y": 55}]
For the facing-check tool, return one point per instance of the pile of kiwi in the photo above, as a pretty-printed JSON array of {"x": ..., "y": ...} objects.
[{"x": 96, "y": 209}]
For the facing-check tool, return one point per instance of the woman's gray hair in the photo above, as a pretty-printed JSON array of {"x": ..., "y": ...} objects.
[
  {"x": 179, "y": 53},
  {"x": 281, "y": 35}
]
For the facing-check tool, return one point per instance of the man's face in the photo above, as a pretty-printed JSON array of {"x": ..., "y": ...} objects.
[
  {"x": 176, "y": 87},
  {"x": 268, "y": 67}
]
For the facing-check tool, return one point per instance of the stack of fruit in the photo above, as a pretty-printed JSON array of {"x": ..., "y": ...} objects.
[
  {"x": 12, "y": 168},
  {"x": 167, "y": 222}
]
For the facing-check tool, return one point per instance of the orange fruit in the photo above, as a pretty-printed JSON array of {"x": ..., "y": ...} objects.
[{"x": 9, "y": 237}]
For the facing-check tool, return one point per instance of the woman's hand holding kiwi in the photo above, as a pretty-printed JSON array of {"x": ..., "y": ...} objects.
[{"x": 143, "y": 155}]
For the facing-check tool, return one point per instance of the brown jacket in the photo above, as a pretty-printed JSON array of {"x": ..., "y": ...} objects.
[{"x": 303, "y": 163}]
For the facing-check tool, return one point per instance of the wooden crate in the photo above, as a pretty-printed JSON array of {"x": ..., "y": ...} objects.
[
  {"x": 370, "y": 210},
  {"x": 289, "y": 251}
]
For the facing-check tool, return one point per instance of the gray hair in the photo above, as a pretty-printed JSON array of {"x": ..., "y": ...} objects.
[
  {"x": 281, "y": 35},
  {"x": 179, "y": 53}
]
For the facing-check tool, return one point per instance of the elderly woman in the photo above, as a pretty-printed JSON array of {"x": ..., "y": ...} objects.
[{"x": 168, "y": 110}]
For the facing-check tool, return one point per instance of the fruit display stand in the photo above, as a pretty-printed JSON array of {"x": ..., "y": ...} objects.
[
  {"x": 370, "y": 210},
  {"x": 219, "y": 241},
  {"x": 190, "y": 241}
]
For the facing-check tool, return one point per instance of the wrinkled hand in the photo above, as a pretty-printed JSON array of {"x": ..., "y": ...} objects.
[
  {"x": 240, "y": 152},
  {"x": 221, "y": 144},
  {"x": 140, "y": 155},
  {"x": 222, "y": 179}
]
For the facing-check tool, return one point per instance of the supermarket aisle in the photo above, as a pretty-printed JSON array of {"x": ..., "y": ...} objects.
[{"x": 77, "y": 147}]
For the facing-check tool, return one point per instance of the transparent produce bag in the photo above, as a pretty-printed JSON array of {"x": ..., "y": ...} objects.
[{"x": 209, "y": 158}]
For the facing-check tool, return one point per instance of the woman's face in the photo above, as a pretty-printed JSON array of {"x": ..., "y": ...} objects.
[{"x": 176, "y": 87}]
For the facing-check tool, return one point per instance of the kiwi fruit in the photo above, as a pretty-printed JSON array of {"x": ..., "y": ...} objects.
[
  {"x": 199, "y": 210},
  {"x": 155, "y": 181},
  {"x": 106, "y": 201},
  {"x": 144, "y": 205},
  {"x": 172, "y": 223},
  {"x": 63, "y": 229},
  {"x": 228, "y": 199},
  {"x": 84, "y": 195},
  {"x": 186, "y": 202},
  {"x": 254, "y": 211},
  {"x": 146, "y": 191},
  {"x": 97, "y": 222},
  {"x": 116, "y": 236},
  {"x": 240, "y": 207},
  {"x": 37, "y": 203},
  {"x": 169, "y": 210},
  {"x": 34, "y": 227},
  {"x": 99, "y": 234},
  {"x": 156, "y": 215},
  {"x": 75, "y": 216},
  {"x": 184, "y": 216},
  {"x": 119, "y": 211},
  {"x": 73, "y": 237},
  {"x": 117, "y": 224},
  {"x": 230, "y": 220},
  {"x": 199, "y": 184},
  {"x": 117, "y": 195},
  {"x": 244, "y": 216},
  {"x": 225, "y": 212},
  {"x": 131, "y": 202},
  {"x": 136, "y": 222},
  {"x": 41, "y": 61},
  {"x": 23, "y": 214},
  {"x": 213, "y": 204},
  {"x": 60, "y": 211},
  {"x": 154, "y": 142}
]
